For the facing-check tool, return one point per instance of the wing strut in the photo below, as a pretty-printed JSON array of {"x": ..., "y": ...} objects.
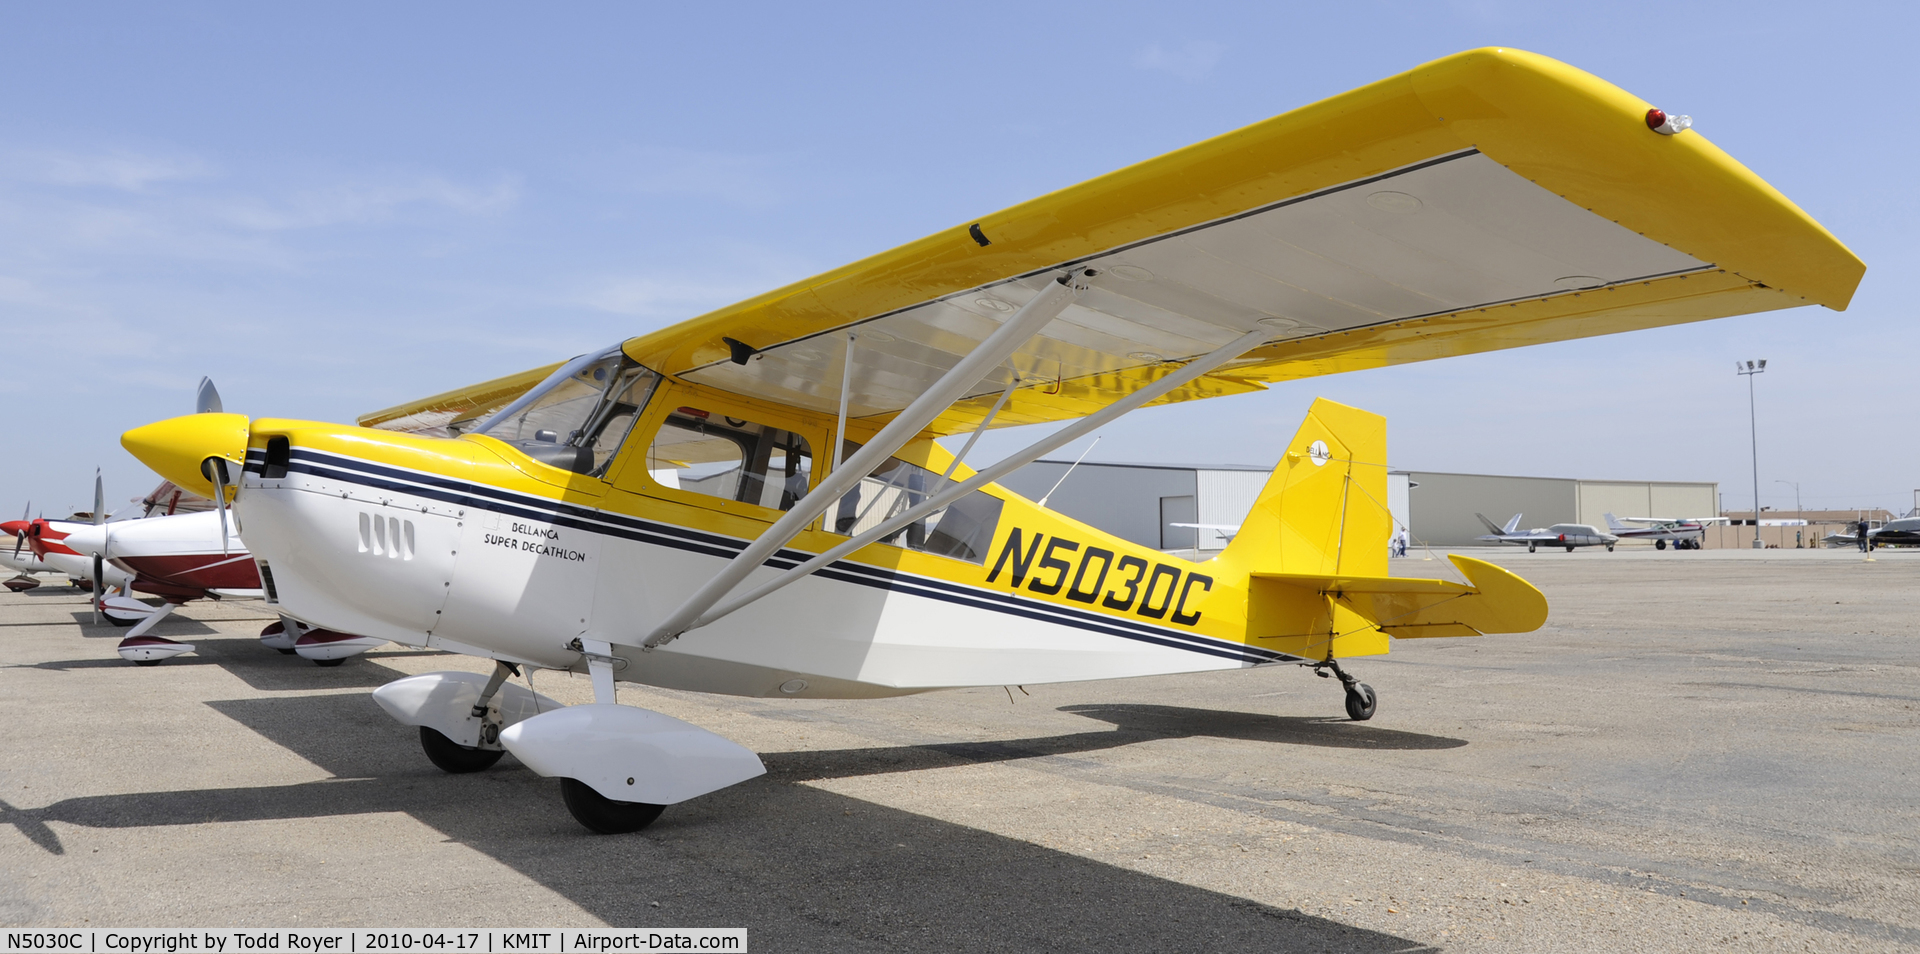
[
  {"x": 1032, "y": 452},
  {"x": 985, "y": 422},
  {"x": 1052, "y": 299}
]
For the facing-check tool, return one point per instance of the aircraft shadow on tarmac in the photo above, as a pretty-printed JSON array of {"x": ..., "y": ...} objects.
[
  {"x": 173, "y": 627},
  {"x": 1132, "y": 724},
  {"x": 259, "y": 667},
  {"x": 806, "y": 869}
]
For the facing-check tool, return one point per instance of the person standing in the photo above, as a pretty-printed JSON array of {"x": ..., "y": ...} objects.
[{"x": 1860, "y": 532}]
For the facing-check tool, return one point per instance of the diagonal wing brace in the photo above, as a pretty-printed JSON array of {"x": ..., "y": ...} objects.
[
  {"x": 1032, "y": 452},
  {"x": 952, "y": 386}
]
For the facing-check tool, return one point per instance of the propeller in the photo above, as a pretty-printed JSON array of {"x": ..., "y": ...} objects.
[
  {"x": 208, "y": 399},
  {"x": 216, "y": 470},
  {"x": 20, "y": 536},
  {"x": 99, "y": 559}
]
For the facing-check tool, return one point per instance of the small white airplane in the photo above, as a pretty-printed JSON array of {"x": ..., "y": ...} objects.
[
  {"x": 25, "y": 564},
  {"x": 1685, "y": 533},
  {"x": 47, "y": 541},
  {"x": 1481, "y": 201},
  {"x": 1569, "y": 535}
]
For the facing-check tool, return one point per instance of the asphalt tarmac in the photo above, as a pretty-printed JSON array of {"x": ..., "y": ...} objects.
[{"x": 1701, "y": 751}]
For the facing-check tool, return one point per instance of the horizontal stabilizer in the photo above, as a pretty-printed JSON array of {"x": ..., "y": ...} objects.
[{"x": 1494, "y": 600}]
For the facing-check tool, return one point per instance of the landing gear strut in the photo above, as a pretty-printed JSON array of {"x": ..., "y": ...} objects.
[
  {"x": 1361, "y": 702},
  {"x": 451, "y": 756}
]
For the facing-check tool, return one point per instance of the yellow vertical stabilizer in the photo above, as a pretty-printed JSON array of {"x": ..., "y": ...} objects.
[
  {"x": 1324, "y": 510},
  {"x": 1314, "y": 549}
]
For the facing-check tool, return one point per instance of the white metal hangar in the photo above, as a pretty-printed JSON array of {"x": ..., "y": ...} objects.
[{"x": 1145, "y": 502}]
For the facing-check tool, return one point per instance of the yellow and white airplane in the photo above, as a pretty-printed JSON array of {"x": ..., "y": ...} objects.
[{"x": 752, "y": 502}]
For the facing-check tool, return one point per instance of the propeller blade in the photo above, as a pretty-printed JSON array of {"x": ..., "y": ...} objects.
[
  {"x": 99, "y": 499},
  {"x": 99, "y": 586},
  {"x": 20, "y": 539},
  {"x": 220, "y": 499},
  {"x": 208, "y": 400}
]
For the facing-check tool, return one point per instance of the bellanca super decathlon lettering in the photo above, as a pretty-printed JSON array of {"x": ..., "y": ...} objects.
[{"x": 752, "y": 502}]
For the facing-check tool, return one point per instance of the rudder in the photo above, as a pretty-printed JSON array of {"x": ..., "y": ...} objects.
[{"x": 1324, "y": 510}]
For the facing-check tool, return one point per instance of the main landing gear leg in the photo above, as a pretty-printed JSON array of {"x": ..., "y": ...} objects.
[
  {"x": 1361, "y": 702},
  {"x": 588, "y": 807},
  {"x": 458, "y": 759}
]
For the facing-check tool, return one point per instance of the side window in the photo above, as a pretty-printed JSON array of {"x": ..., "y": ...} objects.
[
  {"x": 730, "y": 458},
  {"x": 962, "y": 530}
]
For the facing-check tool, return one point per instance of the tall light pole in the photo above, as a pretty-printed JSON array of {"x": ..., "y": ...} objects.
[{"x": 1749, "y": 369}]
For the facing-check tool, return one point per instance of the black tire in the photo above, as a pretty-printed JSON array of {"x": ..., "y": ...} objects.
[
  {"x": 1662, "y": 545},
  {"x": 123, "y": 624},
  {"x": 603, "y": 815},
  {"x": 1529, "y": 548},
  {"x": 146, "y": 662},
  {"x": 1609, "y": 548},
  {"x": 1361, "y": 702},
  {"x": 453, "y": 757},
  {"x": 330, "y": 663},
  {"x": 1569, "y": 548},
  {"x": 285, "y": 651}
]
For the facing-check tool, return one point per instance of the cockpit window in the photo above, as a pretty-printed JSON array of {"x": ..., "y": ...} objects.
[
  {"x": 962, "y": 530},
  {"x": 577, "y": 418},
  {"x": 731, "y": 458}
]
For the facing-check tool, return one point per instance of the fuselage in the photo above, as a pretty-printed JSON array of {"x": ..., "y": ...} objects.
[
  {"x": 178, "y": 557},
  {"x": 1559, "y": 535},
  {"x": 47, "y": 538},
  {"x": 1668, "y": 532},
  {"x": 479, "y": 546},
  {"x": 422, "y": 557}
]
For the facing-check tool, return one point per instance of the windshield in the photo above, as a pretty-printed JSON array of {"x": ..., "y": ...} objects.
[{"x": 576, "y": 419}]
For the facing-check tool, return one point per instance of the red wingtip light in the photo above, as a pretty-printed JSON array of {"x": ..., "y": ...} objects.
[{"x": 1661, "y": 122}]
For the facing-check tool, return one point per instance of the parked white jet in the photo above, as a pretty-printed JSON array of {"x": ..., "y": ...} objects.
[{"x": 1569, "y": 535}]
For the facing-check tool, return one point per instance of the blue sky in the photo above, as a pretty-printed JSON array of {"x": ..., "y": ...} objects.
[{"x": 335, "y": 208}]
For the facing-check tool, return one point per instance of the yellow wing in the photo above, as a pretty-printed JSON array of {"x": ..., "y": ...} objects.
[
  {"x": 1488, "y": 200},
  {"x": 443, "y": 414}
]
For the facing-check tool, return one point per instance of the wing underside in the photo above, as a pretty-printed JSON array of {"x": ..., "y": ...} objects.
[{"x": 1456, "y": 232}]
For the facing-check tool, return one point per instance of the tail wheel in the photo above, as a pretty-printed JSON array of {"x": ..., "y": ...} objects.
[
  {"x": 1361, "y": 702},
  {"x": 603, "y": 815},
  {"x": 453, "y": 757}
]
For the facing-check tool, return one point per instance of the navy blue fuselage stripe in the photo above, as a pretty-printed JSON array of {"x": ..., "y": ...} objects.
[{"x": 589, "y": 520}]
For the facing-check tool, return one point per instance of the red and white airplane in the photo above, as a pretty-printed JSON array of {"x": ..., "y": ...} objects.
[
  {"x": 47, "y": 541},
  {"x": 21, "y": 560}
]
